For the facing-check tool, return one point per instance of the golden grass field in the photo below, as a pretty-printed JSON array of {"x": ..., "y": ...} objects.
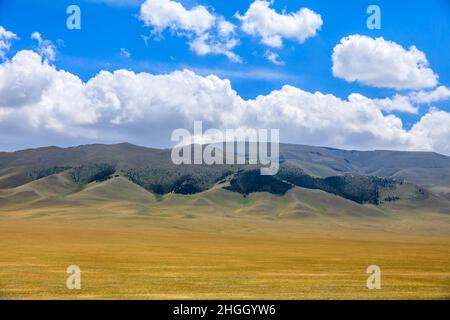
[
  {"x": 264, "y": 260},
  {"x": 253, "y": 250}
]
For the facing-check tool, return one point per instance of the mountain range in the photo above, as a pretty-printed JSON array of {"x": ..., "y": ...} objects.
[{"x": 310, "y": 180}]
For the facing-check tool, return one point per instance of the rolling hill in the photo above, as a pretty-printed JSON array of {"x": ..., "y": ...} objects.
[
  {"x": 142, "y": 228},
  {"x": 145, "y": 179}
]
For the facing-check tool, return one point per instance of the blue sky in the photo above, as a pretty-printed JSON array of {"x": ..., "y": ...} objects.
[{"x": 111, "y": 25}]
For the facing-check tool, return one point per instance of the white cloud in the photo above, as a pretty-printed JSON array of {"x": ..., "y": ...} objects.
[
  {"x": 168, "y": 14},
  {"x": 45, "y": 47},
  {"x": 146, "y": 39},
  {"x": 324, "y": 119},
  {"x": 432, "y": 132},
  {"x": 273, "y": 57},
  {"x": 226, "y": 28},
  {"x": 205, "y": 44},
  {"x": 37, "y": 96},
  {"x": 262, "y": 21},
  {"x": 124, "y": 53},
  {"x": 5, "y": 41},
  {"x": 38, "y": 101},
  {"x": 397, "y": 103},
  {"x": 439, "y": 94},
  {"x": 207, "y": 33},
  {"x": 405, "y": 103},
  {"x": 382, "y": 63}
]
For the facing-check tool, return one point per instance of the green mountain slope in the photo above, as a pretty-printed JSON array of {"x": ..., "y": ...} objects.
[
  {"x": 374, "y": 177},
  {"x": 423, "y": 168}
]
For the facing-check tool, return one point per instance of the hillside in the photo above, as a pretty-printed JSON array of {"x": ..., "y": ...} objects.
[
  {"x": 374, "y": 177},
  {"x": 295, "y": 235},
  {"x": 422, "y": 168}
]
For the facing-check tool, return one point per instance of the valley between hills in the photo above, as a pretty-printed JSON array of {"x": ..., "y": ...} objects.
[{"x": 140, "y": 228}]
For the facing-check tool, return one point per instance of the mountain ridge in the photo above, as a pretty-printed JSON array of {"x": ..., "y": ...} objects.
[{"x": 361, "y": 176}]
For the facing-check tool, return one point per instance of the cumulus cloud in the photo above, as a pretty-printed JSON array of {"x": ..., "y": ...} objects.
[
  {"x": 208, "y": 43},
  {"x": 37, "y": 96},
  {"x": 439, "y": 94},
  {"x": 168, "y": 14},
  {"x": 45, "y": 47},
  {"x": 381, "y": 63},
  {"x": 397, "y": 103},
  {"x": 39, "y": 100},
  {"x": 225, "y": 27},
  {"x": 5, "y": 41},
  {"x": 405, "y": 103},
  {"x": 207, "y": 32},
  {"x": 432, "y": 132},
  {"x": 262, "y": 21},
  {"x": 273, "y": 57}
]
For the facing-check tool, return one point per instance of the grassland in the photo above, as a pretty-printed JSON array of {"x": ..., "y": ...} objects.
[
  {"x": 214, "y": 245},
  {"x": 256, "y": 261}
]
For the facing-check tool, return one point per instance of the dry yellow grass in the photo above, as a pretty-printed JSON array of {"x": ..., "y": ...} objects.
[
  {"x": 215, "y": 245},
  {"x": 216, "y": 257}
]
